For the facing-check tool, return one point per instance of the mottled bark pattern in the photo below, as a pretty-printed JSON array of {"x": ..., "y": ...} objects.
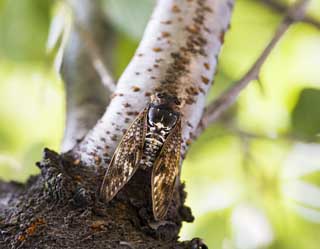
[
  {"x": 60, "y": 208},
  {"x": 178, "y": 54}
]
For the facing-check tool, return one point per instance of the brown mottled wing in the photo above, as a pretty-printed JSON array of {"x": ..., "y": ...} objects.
[
  {"x": 165, "y": 171},
  {"x": 126, "y": 158}
]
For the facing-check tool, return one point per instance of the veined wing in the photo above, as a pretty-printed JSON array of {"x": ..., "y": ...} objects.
[
  {"x": 165, "y": 171},
  {"x": 126, "y": 158}
]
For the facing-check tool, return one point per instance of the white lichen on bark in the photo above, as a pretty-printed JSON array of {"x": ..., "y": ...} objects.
[{"x": 178, "y": 54}]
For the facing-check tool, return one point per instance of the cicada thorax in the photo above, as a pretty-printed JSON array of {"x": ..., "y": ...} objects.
[
  {"x": 161, "y": 119},
  {"x": 152, "y": 147}
]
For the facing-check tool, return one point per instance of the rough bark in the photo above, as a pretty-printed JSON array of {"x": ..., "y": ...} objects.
[{"x": 61, "y": 208}]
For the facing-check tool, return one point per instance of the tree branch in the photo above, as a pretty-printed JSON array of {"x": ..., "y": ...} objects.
[
  {"x": 225, "y": 100},
  {"x": 282, "y": 8},
  {"x": 178, "y": 54},
  {"x": 88, "y": 50}
]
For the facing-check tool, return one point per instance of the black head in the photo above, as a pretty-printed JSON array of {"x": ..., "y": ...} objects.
[
  {"x": 163, "y": 111},
  {"x": 162, "y": 117}
]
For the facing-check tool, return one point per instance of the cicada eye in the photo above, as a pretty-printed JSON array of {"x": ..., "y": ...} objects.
[
  {"x": 177, "y": 101},
  {"x": 153, "y": 114},
  {"x": 160, "y": 95},
  {"x": 170, "y": 120}
]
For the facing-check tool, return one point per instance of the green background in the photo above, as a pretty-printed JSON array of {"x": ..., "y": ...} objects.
[{"x": 253, "y": 180}]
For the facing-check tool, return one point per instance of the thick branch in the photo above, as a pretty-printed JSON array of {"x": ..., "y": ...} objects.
[
  {"x": 88, "y": 49},
  {"x": 282, "y": 8},
  {"x": 215, "y": 109},
  {"x": 178, "y": 54}
]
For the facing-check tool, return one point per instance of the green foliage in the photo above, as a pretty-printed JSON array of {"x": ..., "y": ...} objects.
[
  {"x": 124, "y": 52},
  {"x": 23, "y": 29},
  {"x": 129, "y": 16},
  {"x": 251, "y": 176},
  {"x": 306, "y": 114}
]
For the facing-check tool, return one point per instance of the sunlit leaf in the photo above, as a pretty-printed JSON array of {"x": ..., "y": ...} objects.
[
  {"x": 304, "y": 159},
  {"x": 209, "y": 196},
  {"x": 309, "y": 214},
  {"x": 213, "y": 227},
  {"x": 303, "y": 192},
  {"x": 251, "y": 228}
]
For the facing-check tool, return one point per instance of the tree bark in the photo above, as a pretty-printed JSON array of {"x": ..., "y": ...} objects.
[{"x": 60, "y": 208}]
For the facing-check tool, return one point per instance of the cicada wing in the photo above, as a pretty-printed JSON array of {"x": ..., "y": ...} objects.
[
  {"x": 126, "y": 158},
  {"x": 165, "y": 171}
]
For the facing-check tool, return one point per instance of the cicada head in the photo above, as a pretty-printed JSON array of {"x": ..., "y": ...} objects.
[{"x": 163, "y": 111}]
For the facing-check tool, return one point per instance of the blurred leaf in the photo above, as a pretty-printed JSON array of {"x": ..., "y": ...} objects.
[
  {"x": 219, "y": 157},
  {"x": 8, "y": 140},
  {"x": 306, "y": 114},
  {"x": 309, "y": 214},
  {"x": 125, "y": 49},
  {"x": 212, "y": 196},
  {"x": 213, "y": 227},
  {"x": 302, "y": 192},
  {"x": 31, "y": 111},
  {"x": 32, "y": 154},
  {"x": 9, "y": 166},
  {"x": 2, "y": 2},
  {"x": 129, "y": 16},
  {"x": 222, "y": 81},
  {"x": 23, "y": 29},
  {"x": 250, "y": 228},
  {"x": 302, "y": 161},
  {"x": 301, "y": 168},
  {"x": 293, "y": 231},
  {"x": 248, "y": 35}
]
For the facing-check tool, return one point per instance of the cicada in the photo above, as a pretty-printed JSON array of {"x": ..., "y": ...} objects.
[{"x": 152, "y": 140}]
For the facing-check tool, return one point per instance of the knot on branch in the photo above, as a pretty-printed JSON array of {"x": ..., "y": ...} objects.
[{"x": 62, "y": 183}]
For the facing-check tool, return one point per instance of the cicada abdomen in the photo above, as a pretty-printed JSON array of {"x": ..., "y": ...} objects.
[{"x": 152, "y": 140}]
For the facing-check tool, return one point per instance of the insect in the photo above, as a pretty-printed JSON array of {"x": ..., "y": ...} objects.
[{"x": 152, "y": 140}]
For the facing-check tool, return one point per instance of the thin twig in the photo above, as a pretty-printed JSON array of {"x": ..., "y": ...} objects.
[
  {"x": 225, "y": 100},
  {"x": 282, "y": 8}
]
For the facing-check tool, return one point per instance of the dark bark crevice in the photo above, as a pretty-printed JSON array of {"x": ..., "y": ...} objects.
[{"x": 60, "y": 208}]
